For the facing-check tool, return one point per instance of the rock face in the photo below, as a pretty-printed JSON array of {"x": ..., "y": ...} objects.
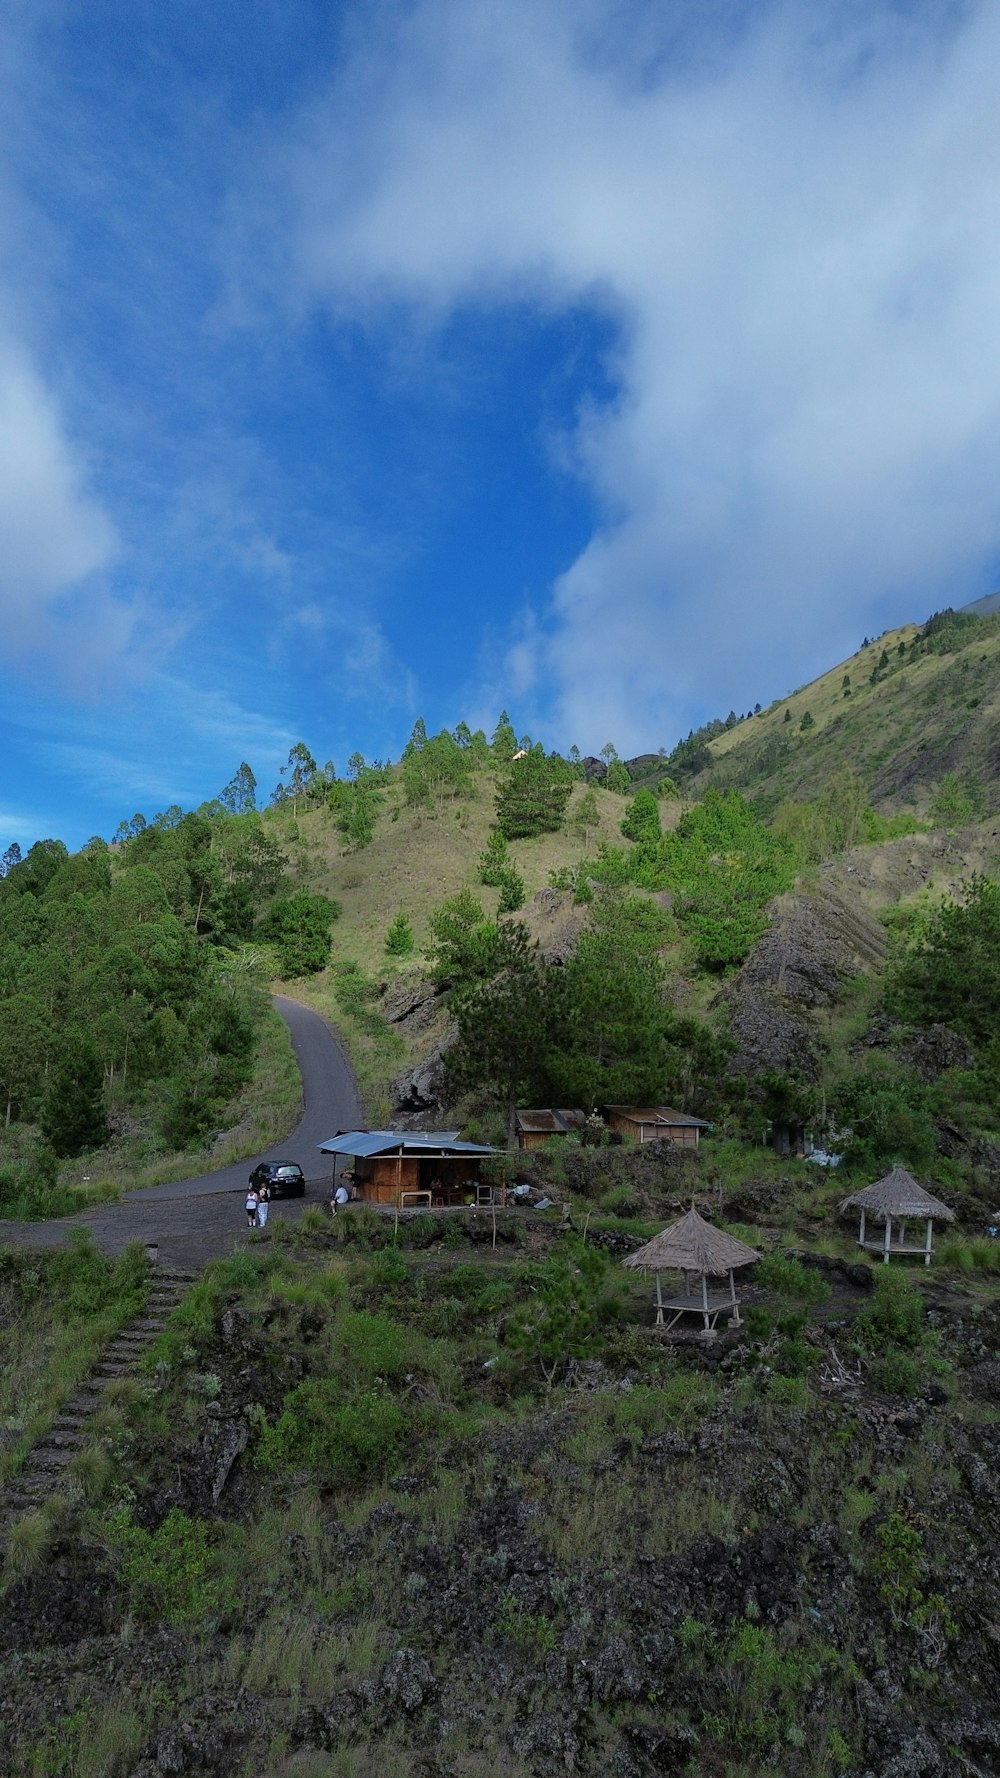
[
  {"x": 419, "y": 1088},
  {"x": 814, "y": 944},
  {"x": 552, "y": 918},
  {"x": 410, "y": 1002}
]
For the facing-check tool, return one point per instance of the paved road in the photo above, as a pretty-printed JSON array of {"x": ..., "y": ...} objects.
[{"x": 194, "y": 1220}]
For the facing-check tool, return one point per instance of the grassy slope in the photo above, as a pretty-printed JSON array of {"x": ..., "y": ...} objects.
[
  {"x": 418, "y": 857},
  {"x": 931, "y": 716}
]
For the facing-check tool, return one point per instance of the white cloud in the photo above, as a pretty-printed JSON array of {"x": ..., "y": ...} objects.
[
  {"x": 53, "y": 534},
  {"x": 796, "y": 230}
]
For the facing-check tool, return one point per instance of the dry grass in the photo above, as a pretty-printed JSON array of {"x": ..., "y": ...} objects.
[{"x": 417, "y": 858}]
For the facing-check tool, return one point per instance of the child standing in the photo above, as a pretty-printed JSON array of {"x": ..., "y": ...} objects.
[
  {"x": 250, "y": 1207},
  {"x": 263, "y": 1206}
]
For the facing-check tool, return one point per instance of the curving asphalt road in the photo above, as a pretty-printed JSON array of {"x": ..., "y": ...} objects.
[{"x": 190, "y": 1233}]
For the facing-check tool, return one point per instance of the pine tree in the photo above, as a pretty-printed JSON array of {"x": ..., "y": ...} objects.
[
  {"x": 504, "y": 742},
  {"x": 533, "y": 799},
  {"x": 587, "y": 815},
  {"x": 73, "y": 1117},
  {"x": 494, "y": 860},
  {"x": 399, "y": 940}
]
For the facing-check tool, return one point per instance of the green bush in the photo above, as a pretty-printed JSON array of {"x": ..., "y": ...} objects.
[
  {"x": 371, "y": 1346},
  {"x": 344, "y": 1441},
  {"x": 896, "y": 1315},
  {"x": 788, "y": 1277},
  {"x": 899, "y": 1373},
  {"x": 171, "y": 1573}
]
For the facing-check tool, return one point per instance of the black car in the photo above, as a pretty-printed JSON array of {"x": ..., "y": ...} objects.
[{"x": 285, "y": 1179}]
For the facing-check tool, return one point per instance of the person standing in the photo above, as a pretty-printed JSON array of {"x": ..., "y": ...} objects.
[
  {"x": 263, "y": 1206},
  {"x": 251, "y": 1206}
]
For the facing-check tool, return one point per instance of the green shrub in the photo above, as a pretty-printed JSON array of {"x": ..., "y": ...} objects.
[
  {"x": 344, "y": 1441},
  {"x": 171, "y": 1573},
  {"x": 422, "y": 1230},
  {"x": 899, "y": 1373},
  {"x": 788, "y": 1277},
  {"x": 372, "y": 1346},
  {"x": 390, "y": 1271},
  {"x": 896, "y": 1315}
]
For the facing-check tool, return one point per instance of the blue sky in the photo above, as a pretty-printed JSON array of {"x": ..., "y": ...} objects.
[{"x": 618, "y": 363}]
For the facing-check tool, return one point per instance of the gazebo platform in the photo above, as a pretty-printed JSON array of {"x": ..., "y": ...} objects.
[
  {"x": 716, "y": 1303},
  {"x": 916, "y": 1248}
]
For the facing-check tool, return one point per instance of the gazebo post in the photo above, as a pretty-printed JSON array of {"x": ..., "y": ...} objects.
[
  {"x": 927, "y": 1243},
  {"x": 888, "y": 1240},
  {"x": 659, "y": 1302},
  {"x": 732, "y": 1292},
  {"x": 861, "y": 1236},
  {"x": 704, "y": 1299}
]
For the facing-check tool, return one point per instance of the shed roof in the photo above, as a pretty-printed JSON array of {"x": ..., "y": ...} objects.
[
  {"x": 659, "y": 1114},
  {"x": 551, "y": 1123},
  {"x": 898, "y": 1194},
  {"x": 692, "y": 1245},
  {"x": 364, "y": 1143}
]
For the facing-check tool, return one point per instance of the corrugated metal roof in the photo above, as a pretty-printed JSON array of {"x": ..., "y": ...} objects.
[
  {"x": 364, "y": 1143},
  {"x": 659, "y": 1114},
  {"x": 550, "y": 1122}
]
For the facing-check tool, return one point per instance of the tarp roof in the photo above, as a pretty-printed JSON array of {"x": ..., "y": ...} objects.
[{"x": 364, "y": 1143}]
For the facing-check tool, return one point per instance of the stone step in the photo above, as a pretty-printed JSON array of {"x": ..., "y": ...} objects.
[
  {"x": 52, "y": 1456},
  {"x": 61, "y": 1438},
  {"x": 111, "y": 1367},
  {"x": 152, "y": 1324}
]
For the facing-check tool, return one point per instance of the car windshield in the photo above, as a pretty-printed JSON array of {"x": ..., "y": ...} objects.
[{"x": 288, "y": 1172}]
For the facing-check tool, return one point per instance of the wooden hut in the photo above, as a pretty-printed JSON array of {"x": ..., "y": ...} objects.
[
  {"x": 895, "y": 1201},
  {"x": 534, "y": 1128},
  {"x": 410, "y": 1169},
  {"x": 692, "y": 1246},
  {"x": 656, "y": 1123}
]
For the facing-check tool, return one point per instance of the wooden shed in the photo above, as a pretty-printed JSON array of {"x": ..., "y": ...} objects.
[
  {"x": 412, "y": 1169},
  {"x": 534, "y": 1128},
  {"x": 656, "y": 1123}
]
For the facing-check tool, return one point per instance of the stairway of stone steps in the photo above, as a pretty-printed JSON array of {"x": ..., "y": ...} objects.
[{"x": 67, "y": 1436}]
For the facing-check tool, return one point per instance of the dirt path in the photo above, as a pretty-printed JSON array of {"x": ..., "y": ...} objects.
[{"x": 195, "y": 1220}]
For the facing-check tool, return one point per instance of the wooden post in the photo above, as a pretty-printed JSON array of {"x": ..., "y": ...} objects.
[
  {"x": 888, "y": 1240},
  {"x": 399, "y": 1174},
  {"x": 861, "y": 1236},
  {"x": 927, "y": 1243},
  {"x": 704, "y": 1299},
  {"x": 732, "y": 1292},
  {"x": 659, "y": 1303}
]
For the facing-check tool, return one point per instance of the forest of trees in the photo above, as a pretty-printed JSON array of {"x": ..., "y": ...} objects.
[{"x": 129, "y": 984}]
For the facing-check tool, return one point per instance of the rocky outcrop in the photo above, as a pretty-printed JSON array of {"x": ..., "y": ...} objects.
[
  {"x": 814, "y": 944},
  {"x": 419, "y": 1089},
  {"x": 410, "y": 1002}
]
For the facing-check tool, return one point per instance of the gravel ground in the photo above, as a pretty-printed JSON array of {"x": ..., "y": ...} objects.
[{"x": 195, "y": 1220}]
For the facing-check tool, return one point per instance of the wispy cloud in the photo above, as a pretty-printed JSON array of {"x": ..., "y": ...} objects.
[{"x": 793, "y": 225}]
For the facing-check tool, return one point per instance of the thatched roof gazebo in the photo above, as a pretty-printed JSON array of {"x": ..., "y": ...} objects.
[
  {"x": 694, "y": 1247},
  {"x": 896, "y": 1200}
]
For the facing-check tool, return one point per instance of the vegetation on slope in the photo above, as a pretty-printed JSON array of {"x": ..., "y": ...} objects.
[{"x": 360, "y": 1516}]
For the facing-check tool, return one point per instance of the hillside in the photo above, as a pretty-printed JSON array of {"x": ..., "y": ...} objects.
[{"x": 926, "y": 730}]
